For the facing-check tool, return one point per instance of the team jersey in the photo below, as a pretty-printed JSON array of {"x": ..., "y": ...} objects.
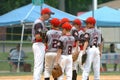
[
  {"x": 66, "y": 44},
  {"x": 81, "y": 38},
  {"x": 52, "y": 37},
  {"x": 94, "y": 36},
  {"x": 74, "y": 33},
  {"x": 38, "y": 28}
]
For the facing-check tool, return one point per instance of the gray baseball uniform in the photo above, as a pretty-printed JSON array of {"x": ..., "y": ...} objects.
[
  {"x": 66, "y": 44},
  {"x": 38, "y": 49},
  {"x": 52, "y": 38},
  {"x": 93, "y": 54}
]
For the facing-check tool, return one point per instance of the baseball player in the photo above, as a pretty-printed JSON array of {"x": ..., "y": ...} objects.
[
  {"x": 64, "y": 57},
  {"x": 52, "y": 37},
  {"x": 38, "y": 45},
  {"x": 78, "y": 33},
  {"x": 74, "y": 32},
  {"x": 92, "y": 47}
]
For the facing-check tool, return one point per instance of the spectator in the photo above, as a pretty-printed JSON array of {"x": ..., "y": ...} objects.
[
  {"x": 112, "y": 50},
  {"x": 14, "y": 56}
]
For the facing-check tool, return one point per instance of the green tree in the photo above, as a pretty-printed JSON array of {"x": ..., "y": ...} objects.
[
  {"x": 74, "y": 6},
  {"x": 8, "y": 5},
  {"x": 71, "y": 6}
]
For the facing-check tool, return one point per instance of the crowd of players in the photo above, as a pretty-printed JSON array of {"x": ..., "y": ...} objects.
[{"x": 57, "y": 45}]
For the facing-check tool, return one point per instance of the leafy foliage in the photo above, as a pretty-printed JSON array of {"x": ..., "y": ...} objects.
[{"x": 71, "y": 6}]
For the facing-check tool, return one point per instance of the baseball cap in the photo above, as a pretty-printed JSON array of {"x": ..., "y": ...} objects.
[
  {"x": 90, "y": 20},
  {"x": 46, "y": 11},
  {"x": 55, "y": 22},
  {"x": 63, "y": 20},
  {"x": 67, "y": 26},
  {"x": 77, "y": 21}
]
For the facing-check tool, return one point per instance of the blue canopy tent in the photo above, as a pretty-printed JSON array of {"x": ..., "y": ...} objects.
[
  {"x": 30, "y": 13},
  {"x": 26, "y": 14},
  {"x": 105, "y": 17}
]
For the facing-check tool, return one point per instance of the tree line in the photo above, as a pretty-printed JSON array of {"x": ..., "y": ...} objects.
[{"x": 71, "y": 6}]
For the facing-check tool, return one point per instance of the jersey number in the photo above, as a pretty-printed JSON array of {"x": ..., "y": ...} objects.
[{"x": 54, "y": 44}]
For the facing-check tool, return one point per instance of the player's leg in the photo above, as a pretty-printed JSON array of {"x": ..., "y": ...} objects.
[
  {"x": 39, "y": 52},
  {"x": 96, "y": 65},
  {"x": 68, "y": 68},
  {"x": 87, "y": 65},
  {"x": 80, "y": 60},
  {"x": 81, "y": 66},
  {"x": 49, "y": 62},
  {"x": 74, "y": 70},
  {"x": 62, "y": 64}
]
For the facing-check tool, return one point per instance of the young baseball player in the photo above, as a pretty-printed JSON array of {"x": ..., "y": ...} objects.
[
  {"x": 92, "y": 44},
  {"x": 64, "y": 57},
  {"x": 52, "y": 37},
  {"x": 38, "y": 45},
  {"x": 74, "y": 32},
  {"x": 78, "y": 32}
]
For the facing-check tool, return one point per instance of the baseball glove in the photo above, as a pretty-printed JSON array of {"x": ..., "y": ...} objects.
[
  {"x": 84, "y": 57},
  {"x": 57, "y": 71},
  {"x": 75, "y": 56}
]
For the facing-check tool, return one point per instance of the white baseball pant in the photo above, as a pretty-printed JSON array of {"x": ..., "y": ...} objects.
[
  {"x": 49, "y": 63},
  {"x": 78, "y": 61},
  {"x": 66, "y": 65},
  {"x": 39, "y": 52},
  {"x": 93, "y": 56}
]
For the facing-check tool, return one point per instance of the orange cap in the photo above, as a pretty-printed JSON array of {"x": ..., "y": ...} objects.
[
  {"x": 77, "y": 21},
  {"x": 46, "y": 11},
  {"x": 63, "y": 20},
  {"x": 55, "y": 22},
  {"x": 67, "y": 26},
  {"x": 90, "y": 20}
]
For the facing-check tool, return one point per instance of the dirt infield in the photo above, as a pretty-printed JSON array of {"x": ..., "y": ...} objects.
[{"x": 106, "y": 77}]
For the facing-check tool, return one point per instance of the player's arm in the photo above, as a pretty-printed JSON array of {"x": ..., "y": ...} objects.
[
  {"x": 46, "y": 41},
  {"x": 77, "y": 47},
  {"x": 58, "y": 56},
  {"x": 101, "y": 45},
  {"x": 59, "y": 52},
  {"x": 87, "y": 38}
]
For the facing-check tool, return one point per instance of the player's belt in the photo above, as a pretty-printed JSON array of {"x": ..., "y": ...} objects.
[{"x": 93, "y": 45}]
